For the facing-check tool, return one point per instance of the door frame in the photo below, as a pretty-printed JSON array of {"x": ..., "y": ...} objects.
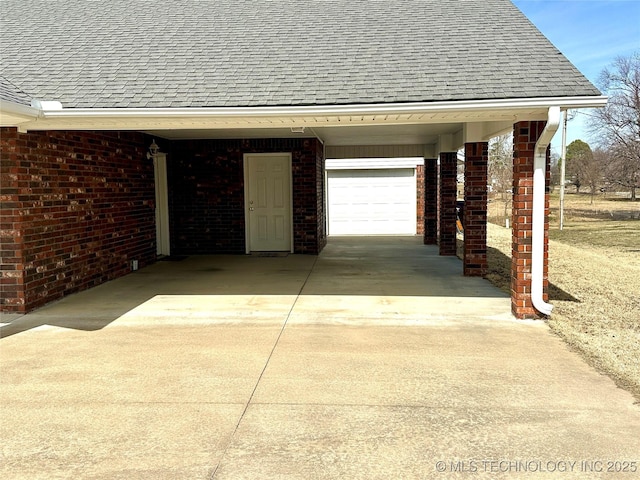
[
  {"x": 247, "y": 223},
  {"x": 163, "y": 238}
]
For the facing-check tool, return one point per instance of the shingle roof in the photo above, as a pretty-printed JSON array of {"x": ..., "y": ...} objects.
[
  {"x": 135, "y": 53},
  {"x": 11, "y": 93}
]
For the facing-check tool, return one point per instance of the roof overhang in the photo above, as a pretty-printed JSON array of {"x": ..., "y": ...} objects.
[
  {"x": 17, "y": 115},
  {"x": 335, "y": 124}
]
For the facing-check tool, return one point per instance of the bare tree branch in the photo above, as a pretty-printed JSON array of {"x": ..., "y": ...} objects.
[{"x": 616, "y": 127}]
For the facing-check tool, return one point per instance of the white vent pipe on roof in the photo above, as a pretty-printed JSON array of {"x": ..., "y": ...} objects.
[
  {"x": 46, "y": 104},
  {"x": 537, "y": 227}
]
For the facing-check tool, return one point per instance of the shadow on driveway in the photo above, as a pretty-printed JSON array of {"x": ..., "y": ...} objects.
[{"x": 349, "y": 267}]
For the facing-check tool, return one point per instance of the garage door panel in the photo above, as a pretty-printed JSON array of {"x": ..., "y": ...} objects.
[{"x": 367, "y": 202}]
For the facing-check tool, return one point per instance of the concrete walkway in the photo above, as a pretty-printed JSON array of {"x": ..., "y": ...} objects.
[{"x": 377, "y": 359}]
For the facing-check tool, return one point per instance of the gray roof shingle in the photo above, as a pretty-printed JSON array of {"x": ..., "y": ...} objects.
[
  {"x": 229, "y": 53},
  {"x": 11, "y": 93}
]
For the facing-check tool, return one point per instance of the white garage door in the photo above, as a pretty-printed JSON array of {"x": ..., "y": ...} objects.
[{"x": 372, "y": 202}]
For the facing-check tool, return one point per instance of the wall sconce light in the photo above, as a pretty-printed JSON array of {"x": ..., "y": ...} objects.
[
  {"x": 297, "y": 129},
  {"x": 153, "y": 150}
]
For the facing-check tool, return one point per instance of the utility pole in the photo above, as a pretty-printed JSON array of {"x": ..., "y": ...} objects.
[{"x": 563, "y": 166}]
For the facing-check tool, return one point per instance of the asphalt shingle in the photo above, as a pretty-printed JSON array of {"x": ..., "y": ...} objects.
[
  {"x": 135, "y": 53},
  {"x": 11, "y": 93}
]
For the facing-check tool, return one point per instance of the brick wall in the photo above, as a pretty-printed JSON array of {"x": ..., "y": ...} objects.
[
  {"x": 77, "y": 207},
  {"x": 206, "y": 193},
  {"x": 526, "y": 135},
  {"x": 475, "y": 209},
  {"x": 206, "y": 196},
  {"x": 431, "y": 201},
  {"x": 447, "y": 195}
]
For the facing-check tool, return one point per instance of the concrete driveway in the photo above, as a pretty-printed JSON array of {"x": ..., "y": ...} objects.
[{"x": 377, "y": 359}]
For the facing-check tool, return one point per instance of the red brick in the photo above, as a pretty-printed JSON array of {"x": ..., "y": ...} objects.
[
  {"x": 420, "y": 199},
  {"x": 447, "y": 196},
  {"x": 51, "y": 183},
  {"x": 475, "y": 209},
  {"x": 525, "y": 136},
  {"x": 207, "y": 194},
  {"x": 430, "y": 202}
]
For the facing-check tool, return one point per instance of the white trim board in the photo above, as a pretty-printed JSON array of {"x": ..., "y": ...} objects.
[{"x": 373, "y": 163}]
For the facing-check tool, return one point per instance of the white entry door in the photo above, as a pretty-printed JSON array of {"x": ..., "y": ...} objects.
[
  {"x": 162, "y": 204},
  {"x": 268, "y": 202}
]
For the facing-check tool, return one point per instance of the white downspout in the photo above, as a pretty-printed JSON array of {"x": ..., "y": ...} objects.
[{"x": 537, "y": 227}]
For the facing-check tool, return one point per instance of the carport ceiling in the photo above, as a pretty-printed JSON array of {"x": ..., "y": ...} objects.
[{"x": 419, "y": 134}]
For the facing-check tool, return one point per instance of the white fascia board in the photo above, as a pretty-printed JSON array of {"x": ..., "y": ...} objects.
[
  {"x": 508, "y": 110},
  {"x": 335, "y": 110}
]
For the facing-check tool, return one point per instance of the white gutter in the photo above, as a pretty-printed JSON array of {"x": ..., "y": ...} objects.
[
  {"x": 331, "y": 110},
  {"x": 537, "y": 227},
  {"x": 16, "y": 113}
]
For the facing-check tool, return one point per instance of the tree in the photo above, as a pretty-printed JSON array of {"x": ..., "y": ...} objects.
[
  {"x": 617, "y": 126},
  {"x": 592, "y": 171},
  {"x": 501, "y": 167},
  {"x": 583, "y": 167},
  {"x": 556, "y": 163}
]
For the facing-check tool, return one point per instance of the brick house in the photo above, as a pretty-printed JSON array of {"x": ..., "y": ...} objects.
[{"x": 242, "y": 102}]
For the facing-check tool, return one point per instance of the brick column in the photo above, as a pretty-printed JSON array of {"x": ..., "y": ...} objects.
[
  {"x": 12, "y": 283},
  {"x": 475, "y": 209},
  {"x": 447, "y": 193},
  {"x": 420, "y": 184},
  {"x": 525, "y": 136},
  {"x": 430, "y": 201}
]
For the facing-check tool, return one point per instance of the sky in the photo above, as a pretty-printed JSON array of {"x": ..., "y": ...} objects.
[{"x": 591, "y": 34}]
